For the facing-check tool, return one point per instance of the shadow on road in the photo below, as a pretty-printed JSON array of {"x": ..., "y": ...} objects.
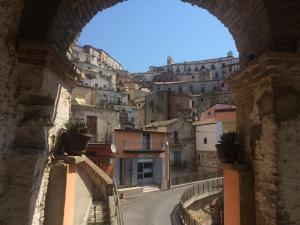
[{"x": 175, "y": 216}]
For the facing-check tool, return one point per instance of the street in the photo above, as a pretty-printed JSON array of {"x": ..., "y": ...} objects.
[{"x": 151, "y": 209}]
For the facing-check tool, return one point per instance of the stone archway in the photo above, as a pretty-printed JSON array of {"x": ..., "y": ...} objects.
[{"x": 34, "y": 39}]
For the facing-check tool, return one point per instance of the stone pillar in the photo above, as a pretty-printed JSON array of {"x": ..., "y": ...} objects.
[
  {"x": 43, "y": 104},
  {"x": 268, "y": 119}
]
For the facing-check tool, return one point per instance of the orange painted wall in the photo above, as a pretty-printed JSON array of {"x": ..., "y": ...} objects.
[
  {"x": 225, "y": 116},
  {"x": 120, "y": 137},
  {"x": 70, "y": 196},
  {"x": 157, "y": 140},
  {"x": 231, "y": 197}
]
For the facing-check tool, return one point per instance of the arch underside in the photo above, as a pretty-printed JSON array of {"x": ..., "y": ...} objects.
[{"x": 252, "y": 23}]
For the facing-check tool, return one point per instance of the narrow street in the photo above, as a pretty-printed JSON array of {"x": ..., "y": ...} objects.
[{"x": 151, "y": 209}]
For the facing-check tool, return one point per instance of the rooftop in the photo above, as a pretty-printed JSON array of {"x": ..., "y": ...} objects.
[{"x": 160, "y": 123}]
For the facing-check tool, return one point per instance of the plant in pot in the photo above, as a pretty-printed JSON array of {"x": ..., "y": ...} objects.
[
  {"x": 228, "y": 148},
  {"x": 75, "y": 137}
]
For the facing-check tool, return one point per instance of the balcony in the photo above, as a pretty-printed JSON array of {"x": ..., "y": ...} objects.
[
  {"x": 124, "y": 120},
  {"x": 144, "y": 146}
]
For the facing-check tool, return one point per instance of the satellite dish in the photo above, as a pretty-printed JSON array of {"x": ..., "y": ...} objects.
[{"x": 113, "y": 148}]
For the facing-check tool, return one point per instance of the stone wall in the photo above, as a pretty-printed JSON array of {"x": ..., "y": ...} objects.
[
  {"x": 10, "y": 13},
  {"x": 35, "y": 102},
  {"x": 268, "y": 96}
]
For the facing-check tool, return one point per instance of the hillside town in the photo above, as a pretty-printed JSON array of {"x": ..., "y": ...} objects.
[
  {"x": 118, "y": 112},
  {"x": 163, "y": 124}
]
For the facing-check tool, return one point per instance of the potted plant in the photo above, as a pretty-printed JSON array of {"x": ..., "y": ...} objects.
[
  {"x": 75, "y": 137},
  {"x": 228, "y": 149}
]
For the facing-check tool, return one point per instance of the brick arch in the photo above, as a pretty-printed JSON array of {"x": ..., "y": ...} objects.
[{"x": 60, "y": 21}]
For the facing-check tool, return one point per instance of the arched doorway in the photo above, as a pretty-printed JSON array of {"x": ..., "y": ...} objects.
[{"x": 35, "y": 38}]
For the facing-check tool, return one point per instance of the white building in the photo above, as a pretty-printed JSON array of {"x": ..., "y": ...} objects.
[
  {"x": 98, "y": 66},
  {"x": 217, "y": 67},
  {"x": 208, "y": 133}
]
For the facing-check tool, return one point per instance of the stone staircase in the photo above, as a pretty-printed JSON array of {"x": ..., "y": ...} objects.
[{"x": 98, "y": 214}]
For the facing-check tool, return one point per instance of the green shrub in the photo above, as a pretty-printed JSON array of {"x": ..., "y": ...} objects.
[
  {"x": 76, "y": 127},
  {"x": 228, "y": 139}
]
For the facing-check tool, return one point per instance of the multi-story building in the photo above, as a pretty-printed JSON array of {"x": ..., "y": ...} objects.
[
  {"x": 216, "y": 68},
  {"x": 103, "y": 111},
  {"x": 99, "y": 67},
  {"x": 166, "y": 105},
  {"x": 203, "y": 101},
  {"x": 181, "y": 146},
  {"x": 141, "y": 158},
  {"x": 192, "y": 87}
]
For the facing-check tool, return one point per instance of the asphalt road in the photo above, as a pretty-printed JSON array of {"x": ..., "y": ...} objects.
[{"x": 152, "y": 208}]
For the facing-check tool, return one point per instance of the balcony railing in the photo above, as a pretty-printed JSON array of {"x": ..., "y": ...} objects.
[
  {"x": 126, "y": 120},
  {"x": 144, "y": 146}
]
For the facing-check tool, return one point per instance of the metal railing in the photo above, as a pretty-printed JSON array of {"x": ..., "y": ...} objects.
[
  {"x": 195, "y": 177},
  {"x": 212, "y": 187},
  {"x": 117, "y": 204}
]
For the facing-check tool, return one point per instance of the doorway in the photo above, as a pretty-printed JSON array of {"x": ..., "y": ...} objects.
[{"x": 145, "y": 173}]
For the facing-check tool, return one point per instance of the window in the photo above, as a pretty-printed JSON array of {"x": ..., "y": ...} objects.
[
  {"x": 148, "y": 170},
  {"x": 177, "y": 157},
  {"x": 96, "y": 86},
  {"x": 209, "y": 113},
  {"x": 105, "y": 98},
  {"x": 205, "y": 140},
  {"x": 180, "y": 89},
  {"x": 213, "y": 67},
  {"x": 202, "y": 67},
  {"x": 216, "y": 74},
  {"x": 146, "y": 141},
  {"x": 193, "y": 77},
  {"x": 223, "y": 65},
  {"x": 175, "y": 136}
]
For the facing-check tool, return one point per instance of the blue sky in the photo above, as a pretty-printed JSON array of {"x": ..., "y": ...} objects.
[{"x": 141, "y": 33}]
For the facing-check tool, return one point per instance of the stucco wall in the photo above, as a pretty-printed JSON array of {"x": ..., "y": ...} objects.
[{"x": 107, "y": 121}]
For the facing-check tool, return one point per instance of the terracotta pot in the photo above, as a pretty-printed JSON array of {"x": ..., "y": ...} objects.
[
  {"x": 228, "y": 153},
  {"x": 75, "y": 144}
]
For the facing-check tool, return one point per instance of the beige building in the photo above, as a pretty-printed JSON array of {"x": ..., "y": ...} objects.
[
  {"x": 208, "y": 133},
  {"x": 181, "y": 147}
]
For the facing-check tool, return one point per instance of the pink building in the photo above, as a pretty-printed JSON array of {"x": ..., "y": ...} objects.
[
  {"x": 141, "y": 158},
  {"x": 220, "y": 112}
]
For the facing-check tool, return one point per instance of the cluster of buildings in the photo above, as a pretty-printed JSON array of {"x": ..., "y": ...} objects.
[{"x": 157, "y": 127}]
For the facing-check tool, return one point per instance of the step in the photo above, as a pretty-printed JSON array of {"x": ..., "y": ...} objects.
[{"x": 98, "y": 214}]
